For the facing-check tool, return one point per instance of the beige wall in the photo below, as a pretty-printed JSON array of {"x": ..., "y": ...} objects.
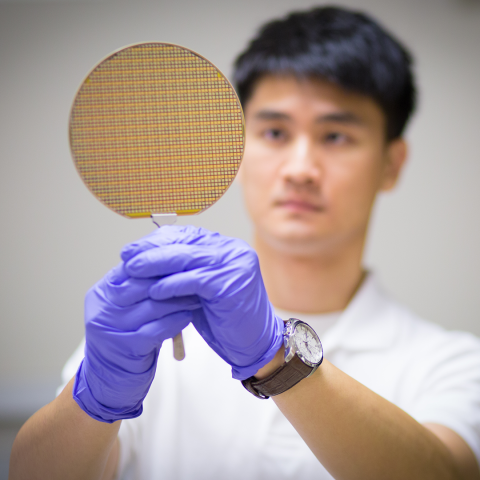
[{"x": 57, "y": 240}]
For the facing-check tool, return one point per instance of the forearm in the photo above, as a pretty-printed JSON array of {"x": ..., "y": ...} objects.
[
  {"x": 356, "y": 434},
  {"x": 61, "y": 441}
]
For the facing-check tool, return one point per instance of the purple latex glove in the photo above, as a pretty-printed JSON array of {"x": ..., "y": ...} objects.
[
  {"x": 237, "y": 319},
  {"x": 124, "y": 330}
]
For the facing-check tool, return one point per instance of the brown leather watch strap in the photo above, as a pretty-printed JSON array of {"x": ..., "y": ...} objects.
[{"x": 280, "y": 380}]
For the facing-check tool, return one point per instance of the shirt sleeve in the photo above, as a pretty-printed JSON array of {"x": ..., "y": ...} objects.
[{"x": 449, "y": 392}]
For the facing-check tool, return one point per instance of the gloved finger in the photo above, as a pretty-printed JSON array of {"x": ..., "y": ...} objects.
[
  {"x": 130, "y": 291},
  {"x": 178, "y": 285},
  {"x": 171, "y": 259},
  {"x": 117, "y": 275},
  {"x": 106, "y": 314},
  {"x": 167, "y": 235},
  {"x": 165, "y": 327},
  {"x": 148, "y": 338},
  {"x": 148, "y": 310},
  {"x": 207, "y": 282}
]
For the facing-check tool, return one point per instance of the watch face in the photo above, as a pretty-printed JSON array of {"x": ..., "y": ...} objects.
[{"x": 308, "y": 344}]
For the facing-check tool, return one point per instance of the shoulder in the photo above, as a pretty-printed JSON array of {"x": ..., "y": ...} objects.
[
  {"x": 400, "y": 355},
  {"x": 407, "y": 330},
  {"x": 430, "y": 341}
]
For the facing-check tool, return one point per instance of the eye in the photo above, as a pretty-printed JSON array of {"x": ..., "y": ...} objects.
[
  {"x": 274, "y": 134},
  {"x": 336, "y": 138}
]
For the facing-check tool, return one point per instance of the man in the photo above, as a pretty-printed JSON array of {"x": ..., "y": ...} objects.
[{"x": 326, "y": 95}]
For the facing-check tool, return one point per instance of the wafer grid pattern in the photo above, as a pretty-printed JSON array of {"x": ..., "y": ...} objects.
[{"x": 156, "y": 129}]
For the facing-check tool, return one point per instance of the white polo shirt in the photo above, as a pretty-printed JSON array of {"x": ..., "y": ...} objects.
[{"x": 198, "y": 423}]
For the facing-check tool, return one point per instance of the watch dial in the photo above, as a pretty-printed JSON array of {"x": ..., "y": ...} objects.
[{"x": 308, "y": 344}]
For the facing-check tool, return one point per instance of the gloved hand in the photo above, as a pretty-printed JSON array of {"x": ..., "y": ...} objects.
[
  {"x": 124, "y": 331},
  {"x": 237, "y": 320}
]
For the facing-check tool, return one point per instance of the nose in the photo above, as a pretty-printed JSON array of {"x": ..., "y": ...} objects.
[{"x": 301, "y": 168}]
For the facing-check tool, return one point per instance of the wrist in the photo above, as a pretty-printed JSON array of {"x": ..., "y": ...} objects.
[
  {"x": 303, "y": 355},
  {"x": 277, "y": 361}
]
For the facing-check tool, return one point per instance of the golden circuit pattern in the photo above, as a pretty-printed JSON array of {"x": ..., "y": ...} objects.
[{"x": 156, "y": 128}]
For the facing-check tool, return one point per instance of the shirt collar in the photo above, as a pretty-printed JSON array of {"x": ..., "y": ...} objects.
[{"x": 366, "y": 324}]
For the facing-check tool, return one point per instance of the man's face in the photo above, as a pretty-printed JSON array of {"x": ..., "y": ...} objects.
[{"x": 315, "y": 157}]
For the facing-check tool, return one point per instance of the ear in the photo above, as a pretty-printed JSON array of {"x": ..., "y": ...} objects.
[{"x": 396, "y": 156}]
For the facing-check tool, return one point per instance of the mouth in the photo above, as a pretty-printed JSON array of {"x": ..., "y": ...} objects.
[{"x": 297, "y": 205}]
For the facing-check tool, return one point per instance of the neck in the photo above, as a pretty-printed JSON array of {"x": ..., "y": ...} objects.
[{"x": 322, "y": 282}]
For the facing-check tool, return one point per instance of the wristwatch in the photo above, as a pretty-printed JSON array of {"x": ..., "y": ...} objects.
[{"x": 303, "y": 355}]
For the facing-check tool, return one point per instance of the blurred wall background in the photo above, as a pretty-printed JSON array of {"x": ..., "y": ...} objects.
[{"x": 57, "y": 240}]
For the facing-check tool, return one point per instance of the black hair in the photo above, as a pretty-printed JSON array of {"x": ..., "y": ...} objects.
[{"x": 344, "y": 47}]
